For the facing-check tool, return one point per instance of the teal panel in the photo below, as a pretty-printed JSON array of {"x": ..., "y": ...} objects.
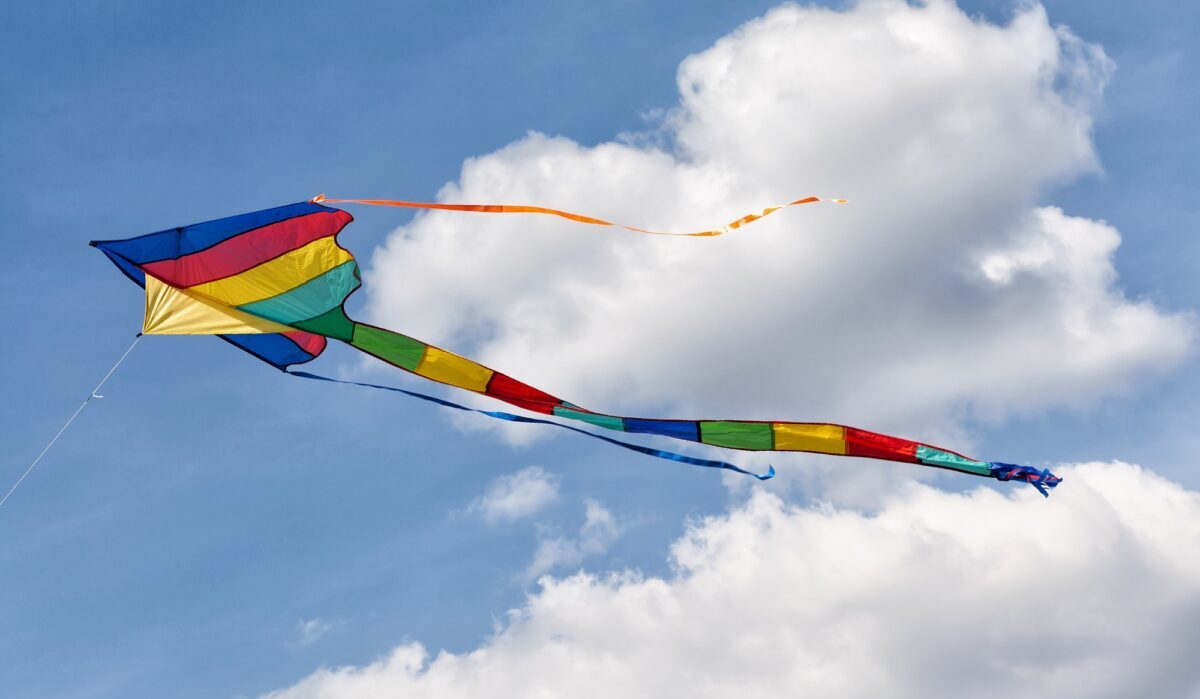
[
  {"x": 608, "y": 422},
  {"x": 937, "y": 457},
  {"x": 310, "y": 299}
]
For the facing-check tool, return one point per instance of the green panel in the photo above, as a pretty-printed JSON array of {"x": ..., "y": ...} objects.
[
  {"x": 937, "y": 457},
  {"x": 608, "y": 422},
  {"x": 332, "y": 323},
  {"x": 398, "y": 349},
  {"x": 739, "y": 435}
]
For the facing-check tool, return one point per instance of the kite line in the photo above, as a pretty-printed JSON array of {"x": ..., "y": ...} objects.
[{"x": 94, "y": 394}]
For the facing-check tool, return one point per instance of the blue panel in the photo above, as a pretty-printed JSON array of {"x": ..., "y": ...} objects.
[
  {"x": 276, "y": 350},
  {"x": 679, "y": 429},
  {"x": 175, "y": 242},
  {"x": 133, "y": 272}
]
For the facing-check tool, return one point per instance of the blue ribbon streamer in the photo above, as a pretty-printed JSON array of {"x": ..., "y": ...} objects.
[
  {"x": 660, "y": 453},
  {"x": 1043, "y": 480}
]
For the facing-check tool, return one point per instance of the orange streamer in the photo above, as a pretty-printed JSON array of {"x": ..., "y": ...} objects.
[{"x": 578, "y": 218}]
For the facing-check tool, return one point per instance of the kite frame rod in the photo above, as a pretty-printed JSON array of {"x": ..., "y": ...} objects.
[{"x": 93, "y": 394}]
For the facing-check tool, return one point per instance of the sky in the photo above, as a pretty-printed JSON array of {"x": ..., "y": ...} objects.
[{"x": 1013, "y": 276}]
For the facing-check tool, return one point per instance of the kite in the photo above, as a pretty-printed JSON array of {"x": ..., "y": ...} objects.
[{"x": 274, "y": 284}]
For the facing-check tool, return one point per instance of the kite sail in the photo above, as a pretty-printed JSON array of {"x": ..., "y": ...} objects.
[{"x": 274, "y": 283}]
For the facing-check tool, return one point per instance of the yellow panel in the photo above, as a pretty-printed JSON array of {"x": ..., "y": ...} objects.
[
  {"x": 442, "y": 366},
  {"x": 827, "y": 439},
  {"x": 172, "y": 311},
  {"x": 276, "y": 276}
]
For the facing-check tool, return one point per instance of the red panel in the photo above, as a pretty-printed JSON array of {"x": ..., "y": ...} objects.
[
  {"x": 249, "y": 249},
  {"x": 520, "y": 394},
  {"x": 313, "y": 344},
  {"x": 879, "y": 446}
]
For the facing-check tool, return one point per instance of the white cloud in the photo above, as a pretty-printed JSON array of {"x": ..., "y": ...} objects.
[
  {"x": 947, "y": 290},
  {"x": 516, "y": 495},
  {"x": 942, "y": 293},
  {"x": 599, "y": 532},
  {"x": 1093, "y": 593},
  {"x": 309, "y": 631}
]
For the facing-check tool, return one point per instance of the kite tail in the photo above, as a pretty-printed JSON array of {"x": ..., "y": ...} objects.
[
  {"x": 570, "y": 216},
  {"x": 1043, "y": 480},
  {"x": 451, "y": 369},
  {"x": 660, "y": 453}
]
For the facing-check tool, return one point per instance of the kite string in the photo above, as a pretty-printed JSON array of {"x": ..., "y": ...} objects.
[{"x": 93, "y": 394}]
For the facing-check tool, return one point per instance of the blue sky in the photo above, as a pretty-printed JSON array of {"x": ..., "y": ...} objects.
[{"x": 178, "y": 536}]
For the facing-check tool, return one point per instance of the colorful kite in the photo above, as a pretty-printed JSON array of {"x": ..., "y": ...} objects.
[{"x": 274, "y": 282}]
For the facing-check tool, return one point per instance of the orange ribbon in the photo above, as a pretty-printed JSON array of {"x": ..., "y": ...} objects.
[{"x": 578, "y": 218}]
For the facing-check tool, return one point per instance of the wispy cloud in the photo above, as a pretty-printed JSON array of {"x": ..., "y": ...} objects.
[
  {"x": 309, "y": 631},
  {"x": 516, "y": 495},
  {"x": 599, "y": 531}
]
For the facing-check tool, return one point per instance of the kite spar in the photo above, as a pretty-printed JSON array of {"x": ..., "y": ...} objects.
[{"x": 273, "y": 283}]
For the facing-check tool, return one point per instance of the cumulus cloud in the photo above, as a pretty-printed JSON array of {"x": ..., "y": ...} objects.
[
  {"x": 1094, "y": 593},
  {"x": 947, "y": 291},
  {"x": 598, "y": 532},
  {"x": 516, "y": 495},
  {"x": 944, "y": 293}
]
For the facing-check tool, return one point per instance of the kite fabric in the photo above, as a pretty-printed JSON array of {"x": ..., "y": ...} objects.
[
  {"x": 578, "y": 218},
  {"x": 274, "y": 282}
]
